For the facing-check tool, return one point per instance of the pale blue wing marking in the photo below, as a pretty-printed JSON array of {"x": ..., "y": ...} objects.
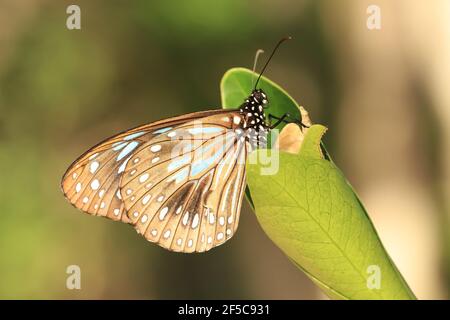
[
  {"x": 201, "y": 164},
  {"x": 130, "y": 147},
  {"x": 123, "y": 165},
  {"x": 162, "y": 130},
  {"x": 179, "y": 163},
  {"x": 119, "y": 145},
  {"x": 187, "y": 158},
  {"x": 134, "y": 135},
  {"x": 181, "y": 175}
]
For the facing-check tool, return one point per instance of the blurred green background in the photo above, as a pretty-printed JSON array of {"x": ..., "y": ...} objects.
[{"x": 382, "y": 93}]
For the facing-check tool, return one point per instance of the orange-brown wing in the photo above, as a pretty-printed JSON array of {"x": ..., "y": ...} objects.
[
  {"x": 92, "y": 182},
  {"x": 183, "y": 189}
]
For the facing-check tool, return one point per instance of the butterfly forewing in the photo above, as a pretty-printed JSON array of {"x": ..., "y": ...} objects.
[
  {"x": 92, "y": 182},
  {"x": 174, "y": 200}
]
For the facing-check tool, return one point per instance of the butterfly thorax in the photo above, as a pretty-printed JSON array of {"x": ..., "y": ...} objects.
[{"x": 254, "y": 118}]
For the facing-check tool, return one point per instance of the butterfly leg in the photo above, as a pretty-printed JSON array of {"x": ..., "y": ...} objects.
[{"x": 286, "y": 118}]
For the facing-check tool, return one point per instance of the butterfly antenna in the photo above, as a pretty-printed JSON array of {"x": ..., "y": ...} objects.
[
  {"x": 270, "y": 57},
  {"x": 255, "y": 62}
]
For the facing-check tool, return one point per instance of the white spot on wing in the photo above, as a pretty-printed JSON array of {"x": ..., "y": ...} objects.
[
  {"x": 163, "y": 213},
  {"x": 195, "y": 221},
  {"x": 211, "y": 218},
  {"x": 185, "y": 218},
  {"x": 143, "y": 178},
  {"x": 155, "y": 148},
  {"x": 93, "y": 156},
  {"x": 95, "y": 184},
  {"x": 146, "y": 199}
]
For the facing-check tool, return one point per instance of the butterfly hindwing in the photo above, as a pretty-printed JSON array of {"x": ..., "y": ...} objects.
[
  {"x": 175, "y": 185},
  {"x": 92, "y": 182},
  {"x": 227, "y": 202}
]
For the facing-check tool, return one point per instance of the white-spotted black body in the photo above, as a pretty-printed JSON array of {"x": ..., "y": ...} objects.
[{"x": 254, "y": 119}]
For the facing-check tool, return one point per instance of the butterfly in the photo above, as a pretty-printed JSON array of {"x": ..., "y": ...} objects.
[{"x": 180, "y": 181}]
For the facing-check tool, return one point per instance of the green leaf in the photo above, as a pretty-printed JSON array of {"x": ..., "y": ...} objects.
[{"x": 310, "y": 211}]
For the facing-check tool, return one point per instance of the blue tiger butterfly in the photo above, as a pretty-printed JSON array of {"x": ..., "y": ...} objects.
[{"x": 180, "y": 181}]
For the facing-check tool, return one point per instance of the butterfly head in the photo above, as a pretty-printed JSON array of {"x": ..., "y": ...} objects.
[{"x": 259, "y": 98}]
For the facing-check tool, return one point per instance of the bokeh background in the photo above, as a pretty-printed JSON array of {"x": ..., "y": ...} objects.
[{"x": 383, "y": 94}]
